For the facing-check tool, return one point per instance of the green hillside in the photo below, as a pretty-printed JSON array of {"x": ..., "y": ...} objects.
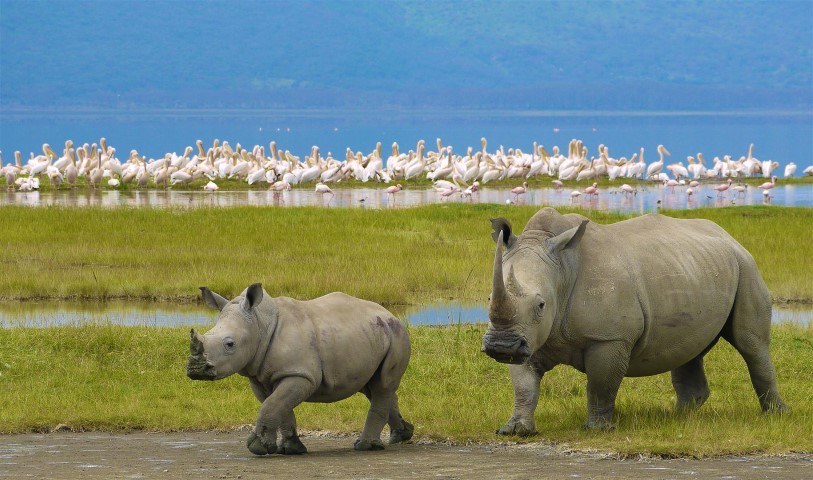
[{"x": 515, "y": 54}]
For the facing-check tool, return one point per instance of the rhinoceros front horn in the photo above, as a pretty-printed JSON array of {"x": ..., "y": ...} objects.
[
  {"x": 195, "y": 343},
  {"x": 497, "y": 284},
  {"x": 501, "y": 308}
]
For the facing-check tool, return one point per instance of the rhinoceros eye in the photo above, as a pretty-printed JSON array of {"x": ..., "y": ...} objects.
[
  {"x": 538, "y": 308},
  {"x": 229, "y": 344}
]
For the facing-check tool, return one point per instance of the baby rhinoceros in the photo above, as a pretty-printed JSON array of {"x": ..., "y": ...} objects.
[{"x": 321, "y": 350}]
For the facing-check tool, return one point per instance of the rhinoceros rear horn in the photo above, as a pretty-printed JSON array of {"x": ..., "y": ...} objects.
[{"x": 195, "y": 343}]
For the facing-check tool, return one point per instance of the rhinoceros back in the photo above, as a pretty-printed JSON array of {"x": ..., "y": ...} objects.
[
  {"x": 678, "y": 278},
  {"x": 341, "y": 339}
]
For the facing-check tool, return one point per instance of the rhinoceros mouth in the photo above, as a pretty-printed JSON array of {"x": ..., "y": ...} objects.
[
  {"x": 506, "y": 347},
  {"x": 197, "y": 370}
]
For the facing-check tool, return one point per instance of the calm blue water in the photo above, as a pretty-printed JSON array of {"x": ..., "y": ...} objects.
[
  {"x": 62, "y": 313},
  {"x": 780, "y": 138}
]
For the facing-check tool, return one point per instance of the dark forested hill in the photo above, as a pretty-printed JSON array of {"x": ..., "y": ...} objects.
[{"x": 628, "y": 55}]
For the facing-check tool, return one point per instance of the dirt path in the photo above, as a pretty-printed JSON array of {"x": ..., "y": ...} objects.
[{"x": 207, "y": 455}]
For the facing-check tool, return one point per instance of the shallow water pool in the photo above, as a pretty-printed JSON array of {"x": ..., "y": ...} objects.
[{"x": 35, "y": 314}]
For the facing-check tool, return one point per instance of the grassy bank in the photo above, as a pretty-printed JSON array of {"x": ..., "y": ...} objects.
[
  {"x": 406, "y": 256},
  {"x": 226, "y": 184},
  {"x": 113, "y": 377}
]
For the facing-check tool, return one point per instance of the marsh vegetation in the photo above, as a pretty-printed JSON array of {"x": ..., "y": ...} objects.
[
  {"x": 113, "y": 377},
  {"x": 123, "y": 378},
  {"x": 415, "y": 256}
]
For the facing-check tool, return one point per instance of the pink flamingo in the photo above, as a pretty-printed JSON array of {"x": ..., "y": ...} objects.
[
  {"x": 558, "y": 184},
  {"x": 517, "y": 191},
  {"x": 446, "y": 193},
  {"x": 723, "y": 187},
  {"x": 278, "y": 188},
  {"x": 469, "y": 191},
  {"x": 592, "y": 190},
  {"x": 323, "y": 189},
  {"x": 392, "y": 190},
  {"x": 694, "y": 184},
  {"x": 671, "y": 183},
  {"x": 768, "y": 185},
  {"x": 627, "y": 189}
]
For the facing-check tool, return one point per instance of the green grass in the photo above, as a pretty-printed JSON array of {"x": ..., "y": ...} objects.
[
  {"x": 435, "y": 253},
  {"x": 113, "y": 377}
]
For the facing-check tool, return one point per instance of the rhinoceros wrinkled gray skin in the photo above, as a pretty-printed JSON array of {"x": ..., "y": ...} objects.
[
  {"x": 292, "y": 351},
  {"x": 635, "y": 298}
]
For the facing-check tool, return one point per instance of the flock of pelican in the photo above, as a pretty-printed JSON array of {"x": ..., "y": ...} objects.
[{"x": 451, "y": 173}]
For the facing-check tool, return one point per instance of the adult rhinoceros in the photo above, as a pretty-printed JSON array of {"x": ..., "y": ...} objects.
[
  {"x": 639, "y": 297},
  {"x": 292, "y": 351}
]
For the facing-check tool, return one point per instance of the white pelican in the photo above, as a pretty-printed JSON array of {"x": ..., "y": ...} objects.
[{"x": 655, "y": 167}]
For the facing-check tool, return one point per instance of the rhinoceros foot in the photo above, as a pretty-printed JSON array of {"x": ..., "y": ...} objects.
[
  {"x": 518, "y": 428},
  {"x": 403, "y": 434},
  {"x": 292, "y": 446},
  {"x": 258, "y": 446},
  {"x": 599, "y": 424},
  {"x": 363, "y": 444}
]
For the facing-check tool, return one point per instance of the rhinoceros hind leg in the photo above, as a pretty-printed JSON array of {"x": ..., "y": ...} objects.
[
  {"x": 763, "y": 375},
  {"x": 690, "y": 384},
  {"x": 518, "y": 427},
  {"x": 381, "y": 392},
  {"x": 400, "y": 429},
  {"x": 365, "y": 444},
  {"x": 749, "y": 331},
  {"x": 402, "y": 434}
]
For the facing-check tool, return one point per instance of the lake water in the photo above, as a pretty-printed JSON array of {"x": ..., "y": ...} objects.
[
  {"x": 34, "y": 314},
  {"x": 649, "y": 198},
  {"x": 783, "y": 138}
]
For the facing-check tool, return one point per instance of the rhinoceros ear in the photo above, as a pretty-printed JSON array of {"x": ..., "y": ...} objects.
[
  {"x": 567, "y": 239},
  {"x": 212, "y": 300},
  {"x": 254, "y": 295},
  {"x": 502, "y": 225}
]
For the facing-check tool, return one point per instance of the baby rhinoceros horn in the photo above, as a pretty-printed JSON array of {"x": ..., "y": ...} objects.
[{"x": 195, "y": 344}]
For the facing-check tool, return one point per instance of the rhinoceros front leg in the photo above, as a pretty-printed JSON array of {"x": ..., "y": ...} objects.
[
  {"x": 525, "y": 378},
  {"x": 277, "y": 411},
  {"x": 605, "y": 365},
  {"x": 291, "y": 445}
]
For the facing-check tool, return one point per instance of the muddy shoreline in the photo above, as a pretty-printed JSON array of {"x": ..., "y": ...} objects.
[{"x": 69, "y": 455}]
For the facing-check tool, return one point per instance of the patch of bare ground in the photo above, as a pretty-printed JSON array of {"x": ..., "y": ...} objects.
[{"x": 68, "y": 455}]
